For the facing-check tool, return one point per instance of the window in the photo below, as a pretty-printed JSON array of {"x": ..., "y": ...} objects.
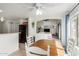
[
  {"x": 78, "y": 32},
  {"x": 74, "y": 33},
  {"x": 74, "y": 29}
]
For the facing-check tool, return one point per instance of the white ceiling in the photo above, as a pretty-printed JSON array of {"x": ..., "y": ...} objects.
[{"x": 23, "y": 10}]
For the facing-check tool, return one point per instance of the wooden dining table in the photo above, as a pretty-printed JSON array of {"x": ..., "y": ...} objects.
[{"x": 56, "y": 48}]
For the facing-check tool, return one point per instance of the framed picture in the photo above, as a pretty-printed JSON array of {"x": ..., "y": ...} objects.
[{"x": 33, "y": 24}]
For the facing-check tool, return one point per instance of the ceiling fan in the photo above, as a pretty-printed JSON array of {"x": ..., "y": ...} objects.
[{"x": 38, "y": 7}]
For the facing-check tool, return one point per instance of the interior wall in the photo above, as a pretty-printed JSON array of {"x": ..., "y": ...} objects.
[
  {"x": 34, "y": 18},
  {"x": 32, "y": 30},
  {"x": 0, "y": 27},
  {"x": 5, "y": 27},
  {"x": 49, "y": 25},
  {"x": 10, "y": 26}
]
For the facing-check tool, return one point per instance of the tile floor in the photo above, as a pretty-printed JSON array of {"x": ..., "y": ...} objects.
[{"x": 19, "y": 53}]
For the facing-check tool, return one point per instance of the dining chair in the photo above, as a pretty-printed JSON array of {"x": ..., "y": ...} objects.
[
  {"x": 70, "y": 46},
  {"x": 75, "y": 51},
  {"x": 35, "y": 51},
  {"x": 30, "y": 40}
]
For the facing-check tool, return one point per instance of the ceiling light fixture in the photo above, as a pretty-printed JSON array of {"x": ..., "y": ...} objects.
[
  {"x": 2, "y": 19},
  {"x": 38, "y": 12}
]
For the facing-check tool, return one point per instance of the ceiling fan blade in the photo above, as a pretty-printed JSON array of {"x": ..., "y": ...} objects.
[{"x": 35, "y": 6}]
